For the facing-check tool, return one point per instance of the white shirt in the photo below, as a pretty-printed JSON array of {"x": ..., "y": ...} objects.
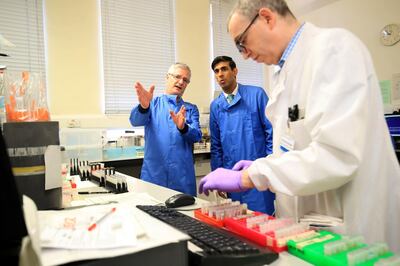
[{"x": 234, "y": 92}]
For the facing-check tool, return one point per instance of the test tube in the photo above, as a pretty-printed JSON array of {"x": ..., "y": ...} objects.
[
  {"x": 335, "y": 247},
  {"x": 389, "y": 261},
  {"x": 291, "y": 230},
  {"x": 367, "y": 253},
  {"x": 244, "y": 208},
  {"x": 304, "y": 236},
  {"x": 204, "y": 208},
  {"x": 216, "y": 197},
  {"x": 70, "y": 167},
  {"x": 87, "y": 170},
  {"x": 119, "y": 185},
  {"x": 124, "y": 184}
]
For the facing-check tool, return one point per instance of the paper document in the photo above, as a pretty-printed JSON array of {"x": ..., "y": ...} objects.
[
  {"x": 323, "y": 219},
  {"x": 149, "y": 231},
  {"x": 126, "y": 198},
  {"x": 52, "y": 159},
  {"x": 30, "y": 248},
  {"x": 69, "y": 229}
]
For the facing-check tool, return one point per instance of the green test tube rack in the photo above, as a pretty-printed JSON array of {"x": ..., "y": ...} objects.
[{"x": 312, "y": 251}]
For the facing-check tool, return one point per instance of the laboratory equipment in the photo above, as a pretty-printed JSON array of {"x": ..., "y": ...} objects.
[
  {"x": 107, "y": 177},
  {"x": 27, "y": 143},
  {"x": 268, "y": 231},
  {"x": 326, "y": 248},
  {"x": 214, "y": 213},
  {"x": 179, "y": 200},
  {"x": 215, "y": 247}
]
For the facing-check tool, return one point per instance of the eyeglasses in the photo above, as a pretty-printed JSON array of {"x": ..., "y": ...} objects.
[
  {"x": 239, "y": 41},
  {"x": 179, "y": 77}
]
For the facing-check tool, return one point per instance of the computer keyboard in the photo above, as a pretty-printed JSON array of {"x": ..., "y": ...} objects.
[{"x": 217, "y": 247}]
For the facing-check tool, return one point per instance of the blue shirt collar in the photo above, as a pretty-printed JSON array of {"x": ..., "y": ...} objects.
[
  {"x": 290, "y": 46},
  {"x": 174, "y": 98}
]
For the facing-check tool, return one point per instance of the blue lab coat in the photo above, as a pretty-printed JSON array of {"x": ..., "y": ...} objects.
[
  {"x": 241, "y": 131},
  {"x": 168, "y": 156}
]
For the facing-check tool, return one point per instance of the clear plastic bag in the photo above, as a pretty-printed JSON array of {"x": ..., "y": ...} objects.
[
  {"x": 25, "y": 98},
  {"x": 2, "y": 91}
]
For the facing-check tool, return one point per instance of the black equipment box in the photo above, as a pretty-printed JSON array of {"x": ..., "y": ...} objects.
[{"x": 27, "y": 143}]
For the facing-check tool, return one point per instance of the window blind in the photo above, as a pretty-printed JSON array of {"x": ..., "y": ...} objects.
[
  {"x": 138, "y": 45},
  {"x": 21, "y": 22},
  {"x": 250, "y": 72}
]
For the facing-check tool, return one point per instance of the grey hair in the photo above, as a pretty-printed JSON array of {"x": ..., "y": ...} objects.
[
  {"x": 179, "y": 65},
  {"x": 249, "y": 8}
]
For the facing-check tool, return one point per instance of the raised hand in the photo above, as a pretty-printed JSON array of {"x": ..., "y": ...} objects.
[
  {"x": 179, "y": 118},
  {"x": 144, "y": 96}
]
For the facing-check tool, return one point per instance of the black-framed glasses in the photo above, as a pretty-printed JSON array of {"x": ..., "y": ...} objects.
[
  {"x": 179, "y": 77},
  {"x": 239, "y": 41}
]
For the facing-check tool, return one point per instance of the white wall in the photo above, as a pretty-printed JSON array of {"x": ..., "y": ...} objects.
[
  {"x": 365, "y": 19},
  {"x": 74, "y": 71},
  {"x": 193, "y": 47},
  {"x": 73, "y": 57}
]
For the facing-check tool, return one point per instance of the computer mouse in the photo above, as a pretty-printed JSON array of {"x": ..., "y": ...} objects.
[{"x": 179, "y": 200}]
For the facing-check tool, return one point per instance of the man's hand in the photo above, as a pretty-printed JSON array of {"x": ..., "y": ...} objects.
[
  {"x": 222, "y": 180},
  {"x": 242, "y": 165},
  {"x": 179, "y": 118},
  {"x": 144, "y": 96}
]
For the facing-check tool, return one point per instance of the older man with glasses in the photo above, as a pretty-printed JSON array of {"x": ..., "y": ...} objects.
[
  {"x": 171, "y": 127},
  {"x": 332, "y": 152}
]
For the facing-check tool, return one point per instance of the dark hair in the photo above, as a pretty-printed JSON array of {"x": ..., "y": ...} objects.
[{"x": 223, "y": 58}]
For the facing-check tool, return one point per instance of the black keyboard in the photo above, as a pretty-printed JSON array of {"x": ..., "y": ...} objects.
[{"x": 217, "y": 246}]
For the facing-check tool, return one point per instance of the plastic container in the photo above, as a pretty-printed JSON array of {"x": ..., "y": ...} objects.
[
  {"x": 312, "y": 250},
  {"x": 208, "y": 220}
]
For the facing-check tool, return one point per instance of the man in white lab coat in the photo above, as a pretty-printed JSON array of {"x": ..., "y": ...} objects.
[{"x": 332, "y": 152}]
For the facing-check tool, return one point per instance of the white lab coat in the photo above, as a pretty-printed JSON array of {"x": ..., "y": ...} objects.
[{"x": 343, "y": 163}]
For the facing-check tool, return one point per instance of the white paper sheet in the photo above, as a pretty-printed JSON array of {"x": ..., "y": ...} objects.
[
  {"x": 150, "y": 232},
  {"x": 33, "y": 228},
  {"x": 52, "y": 159},
  {"x": 69, "y": 229}
]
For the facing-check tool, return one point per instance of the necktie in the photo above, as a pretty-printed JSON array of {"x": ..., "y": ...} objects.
[{"x": 229, "y": 98}]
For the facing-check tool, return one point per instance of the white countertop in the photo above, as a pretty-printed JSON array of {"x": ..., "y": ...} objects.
[
  {"x": 162, "y": 193},
  {"x": 159, "y": 194}
]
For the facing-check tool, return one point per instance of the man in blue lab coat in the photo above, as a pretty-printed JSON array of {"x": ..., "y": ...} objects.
[
  {"x": 239, "y": 129},
  {"x": 171, "y": 127}
]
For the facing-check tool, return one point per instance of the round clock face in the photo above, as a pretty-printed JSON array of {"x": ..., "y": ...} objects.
[{"x": 390, "y": 34}]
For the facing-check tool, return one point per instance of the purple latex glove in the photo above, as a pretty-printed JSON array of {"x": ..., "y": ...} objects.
[
  {"x": 222, "y": 180},
  {"x": 242, "y": 165}
]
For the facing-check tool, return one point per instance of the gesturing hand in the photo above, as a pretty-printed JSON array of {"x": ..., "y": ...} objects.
[
  {"x": 179, "y": 118},
  {"x": 144, "y": 96}
]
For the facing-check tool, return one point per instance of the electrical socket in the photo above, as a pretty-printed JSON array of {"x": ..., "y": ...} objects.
[{"x": 73, "y": 123}]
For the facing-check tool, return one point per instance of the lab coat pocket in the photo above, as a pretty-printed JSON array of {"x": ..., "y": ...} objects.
[
  {"x": 189, "y": 112},
  {"x": 188, "y": 119},
  {"x": 255, "y": 121},
  {"x": 255, "y": 128},
  {"x": 300, "y": 134}
]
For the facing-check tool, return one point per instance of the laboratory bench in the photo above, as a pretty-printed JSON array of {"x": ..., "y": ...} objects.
[
  {"x": 174, "y": 253},
  {"x": 132, "y": 166},
  {"x": 120, "y": 148}
]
